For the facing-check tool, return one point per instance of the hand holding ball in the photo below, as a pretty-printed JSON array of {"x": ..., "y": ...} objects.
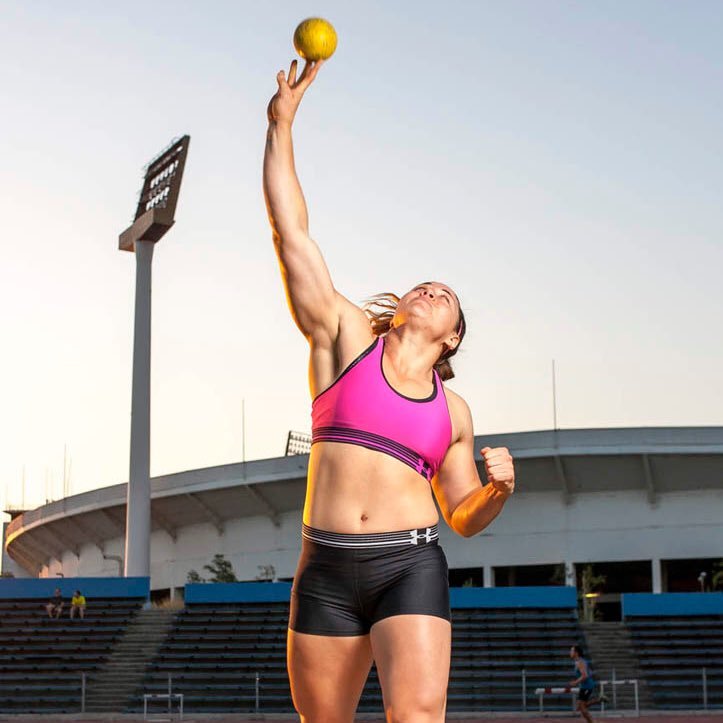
[{"x": 315, "y": 39}]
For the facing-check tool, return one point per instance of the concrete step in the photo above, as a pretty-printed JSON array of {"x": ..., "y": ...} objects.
[
  {"x": 609, "y": 646},
  {"x": 123, "y": 671},
  {"x": 121, "y": 681},
  {"x": 121, "y": 664}
]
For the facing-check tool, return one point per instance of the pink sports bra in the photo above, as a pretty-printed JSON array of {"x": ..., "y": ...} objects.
[{"x": 361, "y": 407}]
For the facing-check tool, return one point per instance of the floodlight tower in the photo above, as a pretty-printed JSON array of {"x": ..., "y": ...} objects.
[{"x": 154, "y": 216}]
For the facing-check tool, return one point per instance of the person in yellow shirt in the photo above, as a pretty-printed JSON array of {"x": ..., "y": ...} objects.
[{"x": 77, "y": 603}]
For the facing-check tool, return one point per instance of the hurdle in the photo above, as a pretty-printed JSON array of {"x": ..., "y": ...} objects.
[
  {"x": 169, "y": 696},
  {"x": 542, "y": 692},
  {"x": 613, "y": 683},
  {"x": 163, "y": 696}
]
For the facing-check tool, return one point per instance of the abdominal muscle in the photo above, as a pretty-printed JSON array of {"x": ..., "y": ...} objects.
[{"x": 354, "y": 490}]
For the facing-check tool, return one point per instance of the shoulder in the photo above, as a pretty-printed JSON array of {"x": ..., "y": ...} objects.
[
  {"x": 355, "y": 330},
  {"x": 351, "y": 321}
]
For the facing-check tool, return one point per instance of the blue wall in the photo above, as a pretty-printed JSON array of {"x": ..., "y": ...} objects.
[
  {"x": 513, "y": 597},
  {"x": 18, "y": 588},
  {"x": 672, "y": 603},
  {"x": 461, "y": 597},
  {"x": 199, "y": 592}
]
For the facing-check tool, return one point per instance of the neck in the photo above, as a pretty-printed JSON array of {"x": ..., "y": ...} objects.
[{"x": 411, "y": 353}]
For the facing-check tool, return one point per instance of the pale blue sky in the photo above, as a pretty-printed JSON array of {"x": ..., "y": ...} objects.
[{"x": 557, "y": 163}]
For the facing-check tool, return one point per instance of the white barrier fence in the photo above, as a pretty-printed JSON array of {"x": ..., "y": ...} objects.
[
  {"x": 542, "y": 692},
  {"x": 523, "y": 677},
  {"x": 567, "y": 690},
  {"x": 170, "y": 696},
  {"x": 615, "y": 682},
  {"x": 163, "y": 696}
]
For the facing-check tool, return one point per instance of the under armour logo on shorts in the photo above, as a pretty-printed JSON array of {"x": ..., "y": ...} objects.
[{"x": 426, "y": 536}]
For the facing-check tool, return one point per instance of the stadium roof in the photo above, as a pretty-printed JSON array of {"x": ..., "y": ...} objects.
[{"x": 655, "y": 460}]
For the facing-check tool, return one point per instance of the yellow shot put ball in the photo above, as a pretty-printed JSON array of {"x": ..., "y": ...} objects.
[{"x": 315, "y": 39}]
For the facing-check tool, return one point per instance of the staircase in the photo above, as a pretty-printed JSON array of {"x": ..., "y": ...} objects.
[
  {"x": 609, "y": 647},
  {"x": 110, "y": 690}
]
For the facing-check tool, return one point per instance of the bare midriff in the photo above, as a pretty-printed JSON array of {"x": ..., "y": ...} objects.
[{"x": 355, "y": 490}]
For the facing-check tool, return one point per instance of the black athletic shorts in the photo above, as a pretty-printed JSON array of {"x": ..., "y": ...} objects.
[
  {"x": 584, "y": 694},
  {"x": 346, "y": 583}
]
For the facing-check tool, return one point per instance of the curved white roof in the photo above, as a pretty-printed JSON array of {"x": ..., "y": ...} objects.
[{"x": 570, "y": 461}]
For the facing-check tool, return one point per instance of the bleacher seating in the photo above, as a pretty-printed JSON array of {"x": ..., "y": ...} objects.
[
  {"x": 42, "y": 658},
  {"x": 215, "y": 651},
  {"x": 673, "y": 650},
  {"x": 491, "y": 648}
]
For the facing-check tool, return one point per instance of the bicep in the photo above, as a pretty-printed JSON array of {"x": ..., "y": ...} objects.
[{"x": 457, "y": 478}]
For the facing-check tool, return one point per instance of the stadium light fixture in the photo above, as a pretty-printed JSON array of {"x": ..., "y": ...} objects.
[
  {"x": 298, "y": 443},
  {"x": 158, "y": 198},
  {"x": 154, "y": 216}
]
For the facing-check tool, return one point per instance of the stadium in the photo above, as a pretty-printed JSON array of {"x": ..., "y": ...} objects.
[
  {"x": 558, "y": 166},
  {"x": 612, "y": 541}
]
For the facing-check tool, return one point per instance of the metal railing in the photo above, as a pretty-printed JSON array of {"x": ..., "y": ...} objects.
[
  {"x": 530, "y": 683},
  {"x": 170, "y": 696}
]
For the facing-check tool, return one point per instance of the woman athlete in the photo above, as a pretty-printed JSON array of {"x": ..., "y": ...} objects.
[{"x": 372, "y": 581}]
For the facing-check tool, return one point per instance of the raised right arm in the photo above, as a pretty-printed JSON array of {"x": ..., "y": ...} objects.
[
  {"x": 336, "y": 329},
  {"x": 312, "y": 299}
]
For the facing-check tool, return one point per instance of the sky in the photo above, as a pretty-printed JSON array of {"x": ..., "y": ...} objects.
[{"x": 557, "y": 163}]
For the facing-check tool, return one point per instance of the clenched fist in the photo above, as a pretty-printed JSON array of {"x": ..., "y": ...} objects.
[{"x": 500, "y": 468}]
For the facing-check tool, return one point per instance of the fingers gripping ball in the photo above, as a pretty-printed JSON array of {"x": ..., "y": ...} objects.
[{"x": 315, "y": 39}]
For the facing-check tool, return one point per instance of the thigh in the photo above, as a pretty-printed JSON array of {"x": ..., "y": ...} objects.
[
  {"x": 412, "y": 654},
  {"x": 327, "y": 675},
  {"x": 324, "y": 601},
  {"x": 411, "y": 581}
]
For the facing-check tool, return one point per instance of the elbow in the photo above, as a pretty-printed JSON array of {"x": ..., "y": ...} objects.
[
  {"x": 468, "y": 532},
  {"x": 461, "y": 527}
]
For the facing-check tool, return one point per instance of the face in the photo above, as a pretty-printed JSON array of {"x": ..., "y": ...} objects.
[
  {"x": 436, "y": 304},
  {"x": 572, "y": 652}
]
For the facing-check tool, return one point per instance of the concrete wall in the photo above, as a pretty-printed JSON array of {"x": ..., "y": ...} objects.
[
  {"x": 532, "y": 529},
  {"x": 7, "y": 564}
]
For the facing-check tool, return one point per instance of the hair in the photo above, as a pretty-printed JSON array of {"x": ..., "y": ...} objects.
[
  {"x": 380, "y": 310},
  {"x": 578, "y": 650}
]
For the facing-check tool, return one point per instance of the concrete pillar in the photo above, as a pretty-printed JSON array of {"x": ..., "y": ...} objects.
[
  {"x": 570, "y": 575},
  {"x": 489, "y": 576},
  {"x": 657, "y": 575},
  {"x": 138, "y": 510}
]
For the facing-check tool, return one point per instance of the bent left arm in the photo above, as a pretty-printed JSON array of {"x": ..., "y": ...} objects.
[
  {"x": 468, "y": 506},
  {"x": 583, "y": 674}
]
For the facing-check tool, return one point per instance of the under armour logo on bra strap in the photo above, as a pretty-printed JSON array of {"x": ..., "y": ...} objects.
[{"x": 416, "y": 536}]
